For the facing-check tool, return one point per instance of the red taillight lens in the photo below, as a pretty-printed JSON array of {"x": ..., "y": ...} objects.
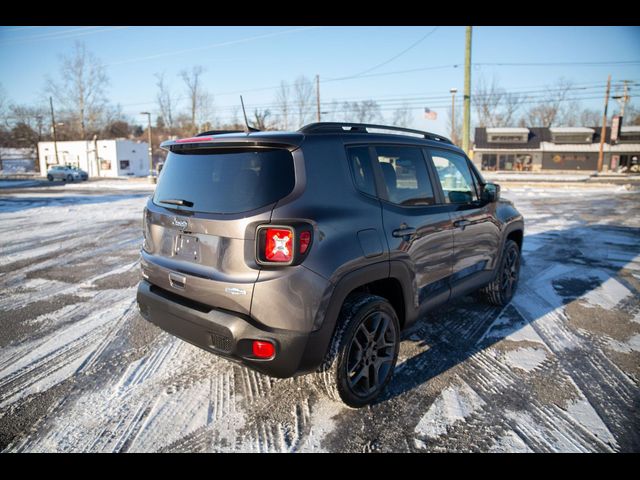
[
  {"x": 263, "y": 349},
  {"x": 278, "y": 245},
  {"x": 305, "y": 240}
]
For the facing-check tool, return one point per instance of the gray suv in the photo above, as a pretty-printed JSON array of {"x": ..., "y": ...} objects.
[{"x": 310, "y": 251}]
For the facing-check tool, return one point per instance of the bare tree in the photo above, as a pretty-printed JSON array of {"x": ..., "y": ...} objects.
[
  {"x": 261, "y": 117},
  {"x": 81, "y": 89},
  {"x": 165, "y": 100},
  {"x": 330, "y": 110},
  {"x": 283, "y": 103},
  {"x": 494, "y": 106},
  {"x": 402, "y": 117},
  {"x": 4, "y": 103},
  {"x": 554, "y": 109},
  {"x": 631, "y": 115},
  {"x": 366, "y": 111},
  {"x": 590, "y": 118},
  {"x": 303, "y": 94},
  {"x": 200, "y": 102}
]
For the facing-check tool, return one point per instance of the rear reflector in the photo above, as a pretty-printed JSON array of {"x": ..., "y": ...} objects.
[
  {"x": 263, "y": 349},
  {"x": 305, "y": 240},
  {"x": 278, "y": 245},
  {"x": 194, "y": 139}
]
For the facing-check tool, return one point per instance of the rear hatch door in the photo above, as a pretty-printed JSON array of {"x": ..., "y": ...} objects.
[{"x": 200, "y": 223}]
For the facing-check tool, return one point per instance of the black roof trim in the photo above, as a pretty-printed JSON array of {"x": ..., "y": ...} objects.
[
  {"x": 218, "y": 132},
  {"x": 339, "y": 127}
]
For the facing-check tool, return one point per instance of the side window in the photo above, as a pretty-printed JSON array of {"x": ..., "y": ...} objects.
[
  {"x": 455, "y": 176},
  {"x": 405, "y": 175},
  {"x": 361, "y": 171}
]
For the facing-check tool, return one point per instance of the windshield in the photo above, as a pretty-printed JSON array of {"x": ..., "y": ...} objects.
[{"x": 224, "y": 181}]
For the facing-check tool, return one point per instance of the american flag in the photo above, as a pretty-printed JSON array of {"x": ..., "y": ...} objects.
[{"x": 430, "y": 114}]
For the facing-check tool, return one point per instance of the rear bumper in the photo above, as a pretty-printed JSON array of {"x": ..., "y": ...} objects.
[{"x": 230, "y": 334}]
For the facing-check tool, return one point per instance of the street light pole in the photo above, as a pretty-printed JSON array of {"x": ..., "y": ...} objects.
[
  {"x": 453, "y": 114},
  {"x": 150, "y": 146}
]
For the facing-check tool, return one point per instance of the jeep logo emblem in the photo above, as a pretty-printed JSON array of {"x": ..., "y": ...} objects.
[{"x": 181, "y": 224}]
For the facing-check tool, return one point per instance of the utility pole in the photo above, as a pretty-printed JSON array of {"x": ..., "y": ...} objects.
[
  {"x": 148, "y": 114},
  {"x": 53, "y": 124},
  {"x": 96, "y": 156},
  {"x": 603, "y": 132},
  {"x": 453, "y": 114},
  {"x": 318, "y": 95},
  {"x": 39, "y": 120},
  {"x": 623, "y": 99},
  {"x": 466, "y": 121}
]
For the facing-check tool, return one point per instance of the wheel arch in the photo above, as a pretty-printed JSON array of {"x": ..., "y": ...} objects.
[{"x": 385, "y": 279}]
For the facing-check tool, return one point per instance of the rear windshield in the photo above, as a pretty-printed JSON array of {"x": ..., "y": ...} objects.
[{"x": 224, "y": 181}]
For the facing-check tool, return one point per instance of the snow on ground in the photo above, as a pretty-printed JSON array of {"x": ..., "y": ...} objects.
[{"x": 80, "y": 370}]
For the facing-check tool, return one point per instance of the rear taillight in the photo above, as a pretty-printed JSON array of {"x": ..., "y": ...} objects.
[
  {"x": 283, "y": 244},
  {"x": 279, "y": 245}
]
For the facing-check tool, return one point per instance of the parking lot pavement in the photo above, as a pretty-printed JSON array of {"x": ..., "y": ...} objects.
[{"x": 556, "y": 370}]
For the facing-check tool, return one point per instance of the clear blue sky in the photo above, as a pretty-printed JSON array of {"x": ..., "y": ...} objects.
[{"x": 243, "y": 59}]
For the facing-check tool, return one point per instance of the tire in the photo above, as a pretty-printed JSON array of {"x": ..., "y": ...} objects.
[
  {"x": 365, "y": 345},
  {"x": 69, "y": 178},
  {"x": 50, "y": 178},
  {"x": 501, "y": 290}
]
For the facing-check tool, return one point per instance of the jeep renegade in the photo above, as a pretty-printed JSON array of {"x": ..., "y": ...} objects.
[{"x": 310, "y": 251}]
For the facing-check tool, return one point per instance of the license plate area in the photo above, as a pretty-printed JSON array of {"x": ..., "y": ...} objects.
[{"x": 186, "y": 247}]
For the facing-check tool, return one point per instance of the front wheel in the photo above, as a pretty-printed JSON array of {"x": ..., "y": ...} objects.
[
  {"x": 363, "y": 352},
  {"x": 50, "y": 178},
  {"x": 501, "y": 290},
  {"x": 69, "y": 178}
]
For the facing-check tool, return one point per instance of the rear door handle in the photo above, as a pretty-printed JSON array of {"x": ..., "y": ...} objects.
[
  {"x": 404, "y": 232},
  {"x": 461, "y": 223}
]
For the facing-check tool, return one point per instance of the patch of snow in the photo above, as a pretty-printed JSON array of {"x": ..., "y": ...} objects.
[
  {"x": 510, "y": 442},
  {"x": 584, "y": 414},
  {"x": 607, "y": 295},
  {"x": 526, "y": 359},
  {"x": 507, "y": 328},
  {"x": 631, "y": 345},
  {"x": 455, "y": 403},
  {"x": 322, "y": 423}
]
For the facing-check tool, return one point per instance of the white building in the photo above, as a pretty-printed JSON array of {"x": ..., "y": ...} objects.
[{"x": 114, "y": 158}]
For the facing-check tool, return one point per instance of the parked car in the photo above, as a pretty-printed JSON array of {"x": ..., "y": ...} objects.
[
  {"x": 310, "y": 251},
  {"x": 63, "y": 172},
  {"x": 83, "y": 175}
]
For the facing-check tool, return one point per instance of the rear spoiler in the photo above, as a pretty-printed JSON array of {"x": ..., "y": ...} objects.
[{"x": 234, "y": 140}]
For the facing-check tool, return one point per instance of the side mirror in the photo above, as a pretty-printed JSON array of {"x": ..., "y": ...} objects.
[{"x": 491, "y": 192}]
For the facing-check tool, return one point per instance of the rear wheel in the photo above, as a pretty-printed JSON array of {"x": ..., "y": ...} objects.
[
  {"x": 501, "y": 290},
  {"x": 50, "y": 178},
  {"x": 69, "y": 178},
  {"x": 363, "y": 351}
]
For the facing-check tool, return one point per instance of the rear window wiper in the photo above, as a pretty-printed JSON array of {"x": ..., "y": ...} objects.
[{"x": 177, "y": 201}]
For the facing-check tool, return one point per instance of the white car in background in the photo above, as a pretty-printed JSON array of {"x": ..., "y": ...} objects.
[{"x": 65, "y": 173}]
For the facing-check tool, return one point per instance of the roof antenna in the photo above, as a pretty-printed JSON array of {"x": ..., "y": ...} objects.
[{"x": 247, "y": 128}]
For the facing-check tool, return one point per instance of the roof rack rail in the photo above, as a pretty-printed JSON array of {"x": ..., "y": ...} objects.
[{"x": 339, "y": 127}]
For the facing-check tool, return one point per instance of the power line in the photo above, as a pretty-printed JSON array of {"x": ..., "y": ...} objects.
[
  {"x": 63, "y": 34},
  {"x": 529, "y": 95},
  {"x": 214, "y": 45},
  {"x": 415, "y": 44},
  {"x": 548, "y": 64}
]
